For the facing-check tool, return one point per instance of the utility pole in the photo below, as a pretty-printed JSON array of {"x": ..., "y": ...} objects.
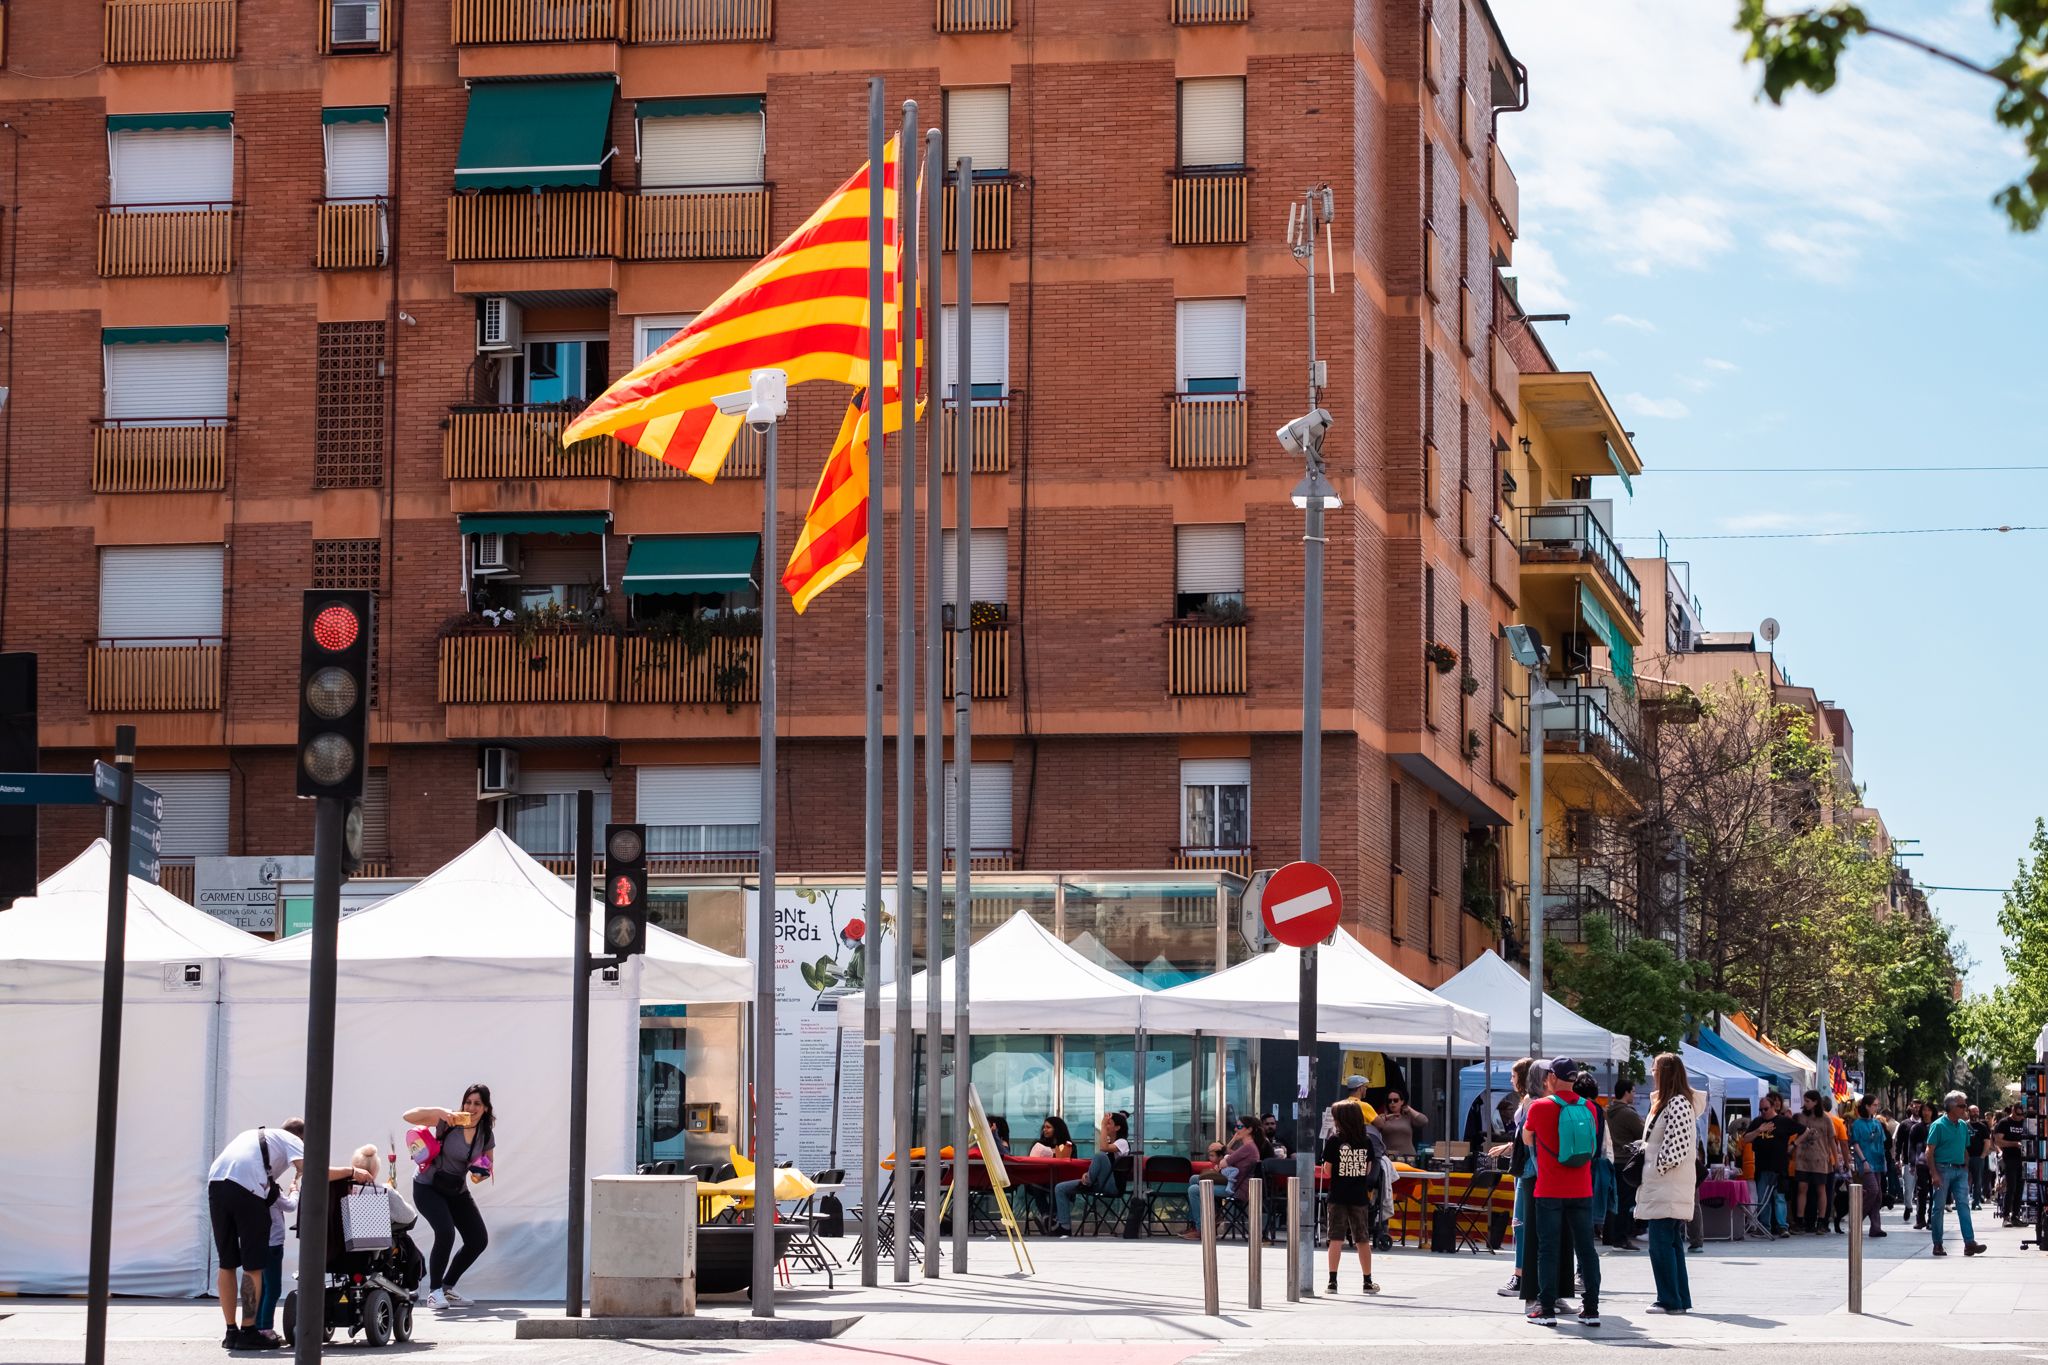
[{"x": 906, "y": 681}]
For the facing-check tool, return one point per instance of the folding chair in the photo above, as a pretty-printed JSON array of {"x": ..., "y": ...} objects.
[
  {"x": 1475, "y": 1212},
  {"x": 1100, "y": 1208},
  {"x": 1166, "y": 1181}
]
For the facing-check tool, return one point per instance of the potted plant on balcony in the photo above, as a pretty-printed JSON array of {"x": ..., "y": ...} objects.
[
  {"x": 1471, "y": 744},
  {"x": 1441, "y": 655},
  {"x": 1470, "y": 683}
]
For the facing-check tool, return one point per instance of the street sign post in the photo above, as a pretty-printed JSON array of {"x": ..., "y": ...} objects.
[
  {"x": 1302, "y": 904},
  {"x": 49, "y": 789}
]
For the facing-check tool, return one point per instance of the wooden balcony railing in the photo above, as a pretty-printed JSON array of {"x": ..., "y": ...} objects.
[
  {"x": 745, "y": 460},
  {"x": 163, "y": 674},
  {"x": 700, "y": 21},
  {"x": 1205, "y": 659},
  {"x": 166, "y": 239},
  {"x": 1208, "y": 432},
  {"x": 725, "y": 671},
  {"x": 500, "y": 666},
  {"x": 168, "y": 31},
  {"x": 535, "y": 21},
  {"x": 523, "y": 441},
  {"x": 351, "y": 235},
  {"x": 357, "y": 28},
  {"x": 991, "y": 212},
  {"x": 180, "y": 877},
  {"x": 1212, "y": 11},
  {"x": 1505, "y": 564},
  {"x": 160, "y": 455},
  {"x": 1236, "y": 860},
  {"x": 1506, "y": 378},
  {"x": 973, "y": 16},
  {"x": 698, "y": 225},
  {"x": 991, "y": 661},
  {"x": 523, "y": 225},
  {"x": 1208, "y": 208},
  {"x": 984, "y": 860},
  {"x": 1505, "y": 192},
  {"x": 991, "y": 421}
]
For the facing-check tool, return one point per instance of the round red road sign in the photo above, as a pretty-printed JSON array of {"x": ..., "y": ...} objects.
[{"x": 1302, "y": 904}]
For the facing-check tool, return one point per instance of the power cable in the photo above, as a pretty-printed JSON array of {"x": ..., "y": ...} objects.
[
  {"x": 1838, "y": 535},
  {"x": 1854, "y": 469}
]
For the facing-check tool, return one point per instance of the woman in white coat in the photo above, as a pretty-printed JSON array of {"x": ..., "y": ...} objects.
[{"x": 1666, "y": 1197}]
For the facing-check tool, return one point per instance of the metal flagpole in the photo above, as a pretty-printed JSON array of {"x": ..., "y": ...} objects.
[
  {"x": 934, "y": 725},
  {"x": 871, "y": 958},
  {"x": 113, "y": 983},
  {"x": 906, "y": 675},
  {"x": 1536, "y": 733},
  {"x": 963, "y": 682},
  {"x": 764, "y": 919}
]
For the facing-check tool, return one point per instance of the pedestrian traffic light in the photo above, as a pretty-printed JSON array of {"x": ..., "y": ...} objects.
[
  {"x": 334, "y": 693},
  {"x": 625, "y": 889}
]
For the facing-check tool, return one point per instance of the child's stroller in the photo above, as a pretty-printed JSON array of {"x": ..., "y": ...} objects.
[{"x": 371, "y": 1292}]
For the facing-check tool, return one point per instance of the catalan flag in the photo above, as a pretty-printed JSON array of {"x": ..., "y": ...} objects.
[{"x": 803, "y": 309}]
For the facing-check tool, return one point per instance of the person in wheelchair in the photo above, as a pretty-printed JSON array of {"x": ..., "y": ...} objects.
[{"x": 370, "y": 1289}]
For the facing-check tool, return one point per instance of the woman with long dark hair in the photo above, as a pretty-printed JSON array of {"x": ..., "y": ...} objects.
[
  {"x": 1813, "y": 1161},
  {"x": 467, "y": 1137},
  {"x": 1666, "y": 1198}
]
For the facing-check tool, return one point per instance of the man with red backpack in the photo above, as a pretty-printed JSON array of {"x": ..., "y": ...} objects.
[{"x": 1565, "y": 1136}]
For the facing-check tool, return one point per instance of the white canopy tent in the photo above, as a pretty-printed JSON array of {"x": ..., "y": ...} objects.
[
  {"x": 1493, "y": 988},
  {"x": 1040, "y": 985},
  {"x": 1766, "y": 1056},
  {"x": 1724, "y": 1080},
  {"x": 1809, "y": 1069},
  {"x": 465, "y": 977},
  {"x": 52, "y": 963}
]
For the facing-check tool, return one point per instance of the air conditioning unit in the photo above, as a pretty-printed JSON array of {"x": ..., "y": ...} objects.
[
  {"x": 497, "y": 324},
  {"x": 495, "y": 555},
  {"x": 355, "y": 23},
  {"x": 497, "y": 774}
]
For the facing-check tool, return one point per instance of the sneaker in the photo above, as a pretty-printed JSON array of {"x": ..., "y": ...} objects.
[
  {"x": 1974, "y": 1248},
  {"x": 233, "y": 1340},
  {"x": 1539, "y": 1316},
  {"x": 1371, "y": 1286},
  {"x": 1512, "y": 1289},
  {"x": 455, "y": 1300},
  {"x": 1660, "y": 1308},
  {"x": 434, "y": 1298},
  {"x": 1589, "y": 1316},
  {"x": 1331, "y": 1288},
  {"x": 1879, "y": 1233},
  {"x": 1058, "y": 1231},
  {"x": 1938, "y": 1251}
]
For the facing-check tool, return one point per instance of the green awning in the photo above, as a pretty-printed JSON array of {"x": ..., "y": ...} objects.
[
  {"x": 535, "y": 523},
  {"x": 533, "y": 134},
  {"x": 354, "y": 113},
  {"x": 153, "y": 123},
  {"x": 1616, "y": 461},
  {"x": 144, "y": 336},
  {"x": 657, "y": 564},
  {"x": 1621, "y": 655},
  {"x": 698, "y": 108}
]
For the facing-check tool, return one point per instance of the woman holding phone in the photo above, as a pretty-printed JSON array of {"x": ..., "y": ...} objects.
[{"x": 441, "y": 1189}]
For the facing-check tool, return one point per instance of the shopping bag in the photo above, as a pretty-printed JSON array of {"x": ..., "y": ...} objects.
[{"x": 366, "y": 1219}]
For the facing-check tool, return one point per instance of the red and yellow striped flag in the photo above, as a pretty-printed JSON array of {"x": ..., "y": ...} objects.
[{"x": 803, "y": 309}]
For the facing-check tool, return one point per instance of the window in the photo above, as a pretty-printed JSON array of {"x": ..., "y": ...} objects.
[
  {"x": 991, "y": 829},
  {"x": 166, "y": 376},
  {"x": 652, "y": 332},
  {"x": 990, "y": 347},
  {"x": 348, "y": 406},
  {"x": 558, "y": 571},
  {"x": 701, "y": 810},
  {"x": 541, "y": 818},
  {"x": 556, "y": 370},
  {"x": 195, "y": 812},
  {"x": 1216, "y": 804},
  {"x": 1212, "y": 122},
  {"x": 978, "y": 128},
  {"x": 161, "y": 161},
  {"x": 1211, "y": 347},
  {"x": 160, "y": 594},
  {"x": 1208, "y": 572},
  {"x": 358, "y": 153},
  {"x": 718, "y": 143},
  {"x": 988, "y": 567}
]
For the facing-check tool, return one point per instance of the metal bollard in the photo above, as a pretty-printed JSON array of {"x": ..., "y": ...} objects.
[
  {"x": 1256, "y": 1236},
  {"x": 1856, "y": 1248},
  {"x": 1210, "y": 1302},
  {"x": 1293, "y": 1248}
]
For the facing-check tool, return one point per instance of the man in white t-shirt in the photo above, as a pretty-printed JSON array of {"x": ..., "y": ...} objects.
[{"x": 240, "y": 1186}]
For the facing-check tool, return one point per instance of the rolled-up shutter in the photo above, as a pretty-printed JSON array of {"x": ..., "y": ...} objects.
[
  {"x": 1208, "y": 558},
  {"x": 694, "y": 796},
  {"x": 184, "y": 380},
  {"x": 703, "y": 150},
  {"x": 1215, "y": 772},
  {"x": 1212, "y": 121},
  {"x": 978, "y": 126},
  {"x": 172, "y": 166},
  {"x": 991, "y": 357},
  {"x": 195, "y": 812},
  {"x": 358, "y": 156},
  {"x": 570, "y": 561},
  {"x": 989, "y": 823},
  {"x": 160, "y": 593},
  {"x": 988, "y": 570},
  {"x": 1211, "y": 345}
]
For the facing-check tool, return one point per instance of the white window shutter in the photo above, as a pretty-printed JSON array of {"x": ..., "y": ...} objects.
[
  {"x": 1208, "y": 558},
  {"x": 1215, "y": 772},
  {"x": 990, "y": 820},
  {"x": 357, "y": 160},
  {"x": 988, "y": 569},
  {"x": 703, "y": 150},
  {"x": 978, "y": 126},
  {"x": 1212, "y": 121},
  {"x": 167, "y": 592},
  {"x": 195, "y": 812},
  {"x": 1211, "y": 339},
  {"x": 991, "y": 337},
  {"x": 181, "y": 379},
  {"x": 691, "y": 794},
  {"x": 172, "y": 166}
]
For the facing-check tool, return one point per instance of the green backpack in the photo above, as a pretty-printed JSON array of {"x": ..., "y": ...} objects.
[{"x": 1575, "y": 1132}]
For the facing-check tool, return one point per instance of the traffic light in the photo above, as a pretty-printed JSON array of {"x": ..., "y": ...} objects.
[
  {"x": 334, "y": 693},
  {"x": 625, "y": 889}
]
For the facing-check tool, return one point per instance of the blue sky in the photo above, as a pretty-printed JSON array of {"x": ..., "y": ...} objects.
[{"x": 1820, "y": 284}]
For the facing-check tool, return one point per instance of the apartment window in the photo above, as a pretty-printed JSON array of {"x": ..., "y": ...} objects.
[
  {"x": 1216, "y": 804},
  {"x": 978, "y": 127},
  {"x": 718, "y": 143},
  {"x": 1428, "y": 182},
  {"x": 1429, "y": 637},
  {"x": 988, "y": 567},
  {"x": 348, "y": 406},
  {"x": 654, "y": 331},
  {"x": 160, "y": 594},
  {"x": 990, "y": 828},
  {"x": 990, "y": 349},
  {"x": 1435, "y": 888},
  {"x": 162, "y": 161},
  {"x": 355, "y": 23},
  {"x": 1210, "y": 345},
  {"x": 195, "y": 812},
  {"x": 1212, "y": 122},
  {"x": 358, "y": 153},
  {"x": 541, "y": 817},
  {"x": 1208, "y": 572},
  {"x": 558, "y": 369},
  {"x": 166, "y": 376},
  {"x": 701, "y": 809}
]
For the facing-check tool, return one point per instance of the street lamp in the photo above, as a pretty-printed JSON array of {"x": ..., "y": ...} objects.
[{"x": 1526, "y": 644}]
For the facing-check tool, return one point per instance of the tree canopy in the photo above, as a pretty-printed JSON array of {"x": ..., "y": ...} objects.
[{"x": 2001, "y": 1027}]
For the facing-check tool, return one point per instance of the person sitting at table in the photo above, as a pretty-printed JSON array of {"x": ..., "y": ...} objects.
[
  {"x": 1271, "y": 1127},
  {"x": 999, "y": 1128},
  {"x": 1053, "y": 1139},
  {"x": 1248, "y": 1147},
  {"x": 1112, "y": 1140},
  {"x": 1401, "y": 1127}
]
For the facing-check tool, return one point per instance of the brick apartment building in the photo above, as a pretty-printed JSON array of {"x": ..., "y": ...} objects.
[{"x": 303, "y": 290}]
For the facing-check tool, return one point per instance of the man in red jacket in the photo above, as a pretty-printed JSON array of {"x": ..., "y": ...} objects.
[{"x": 1564, "y": 1204}]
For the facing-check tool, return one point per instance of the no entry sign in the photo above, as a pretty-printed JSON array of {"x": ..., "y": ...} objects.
[{"x": 1302, "y": 904}]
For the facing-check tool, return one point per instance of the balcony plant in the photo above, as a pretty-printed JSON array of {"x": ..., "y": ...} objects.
[
  {"x": 1471, "y": 744},
  {"x": 1441, "y": 655},
  {"x": 1470, "y": 683}
]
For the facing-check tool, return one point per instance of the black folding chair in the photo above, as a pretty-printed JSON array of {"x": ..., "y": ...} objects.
[
  {"x": 1475, "y": 1212},
  {"x": 1105, "y": 1208},
  {"x": 1166, "y": 1181}
]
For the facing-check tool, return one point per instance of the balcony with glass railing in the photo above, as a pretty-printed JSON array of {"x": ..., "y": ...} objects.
[
  {"x": 1572, "y": 534},
  {"x": 1579, "y": 722}
]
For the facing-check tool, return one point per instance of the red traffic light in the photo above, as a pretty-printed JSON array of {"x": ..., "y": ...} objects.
[
  {"x": 622, "y": 892},
  {"x": 336, "y": 627}
]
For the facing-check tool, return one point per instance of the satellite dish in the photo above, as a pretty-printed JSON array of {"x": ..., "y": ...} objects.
[{"x": 1769, "y": 629}]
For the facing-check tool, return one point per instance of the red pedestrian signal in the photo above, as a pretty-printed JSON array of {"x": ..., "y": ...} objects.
[
  {"x": 625, "y": 880},
  {"x": 624, "y": 892}
]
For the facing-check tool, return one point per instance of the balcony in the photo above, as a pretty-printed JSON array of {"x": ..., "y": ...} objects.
[
  {"x": 973, "y": 16},
  {"x": 1504, "y": 564},
  {"x": 1574, "y": 889},
  {"x": 502, "y": 666},
  {"x": 1570, "y": 533},
  {"x": 991, "y": 212},
  {"x": 1208, "y": 431},
  {"x": 523, "y": 441},
  {"x": 698, "y": 225},
  {"x": 137, "y": 31},
  {"x": 700, "y": 21},
  {"x": 725, "y": 671},
  {"x": 1212, "y": 11},
  {"x": 160, "y": 455},
  {"x": 1504, "y": 192},
  {"x": 142, "y": 674},
  {"x": 534, "y": 21},
  {"x": 358, "y": 27},
  {"x": 1205, "y": 659},
  {"x": 991, "y": 660},
  {"x": 984, "y": 860},
  {"x": 990, "y": 418},
  {"x": 1209, "y": 208},
  {"x": 350, "y": 235},
  {"x": 166, "y": 239},
  {"x": 1238, "y": 861},
  {"x": 1505, "y": 377},
  {"x": 1578, "y": 723},
  {"x": 524, "y": 225},
  {"x": 744, "y": 461}
]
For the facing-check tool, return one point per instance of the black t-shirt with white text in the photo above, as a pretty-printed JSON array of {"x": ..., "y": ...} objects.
[
  {"x": 2011, "y": 1131},
  {"x": 1354, "y": 1170}
]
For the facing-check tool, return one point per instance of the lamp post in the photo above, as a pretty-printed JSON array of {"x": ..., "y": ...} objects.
[{"x": 1529, "y": 651}]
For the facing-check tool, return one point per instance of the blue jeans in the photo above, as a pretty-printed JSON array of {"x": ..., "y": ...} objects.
[
  {"x": 1768, "y": 1210},
  {"x": 1221, "y": 1188},
  {"x": 1556, "y": 1220},
  {"x": 1667, "y": 1262},
  {"x": 1525, "y": 1190},
  {"x": 273, "y": 1286},
  {"x": 1955, "y": 1185},
  {"x": 1101, "y": 1178}
]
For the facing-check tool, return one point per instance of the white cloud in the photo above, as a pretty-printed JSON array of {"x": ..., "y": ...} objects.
[
  {"x": 1641, "y": 405},
  {"x": 1594, "y": 356},
  {"x": 1624, "y": 320},
  {"x": 1540, "y": 283},
  {"x": 1824, "y": 251},
  {"x": 1725, "y": 366},
  {"x": 1694, "y": 382}
]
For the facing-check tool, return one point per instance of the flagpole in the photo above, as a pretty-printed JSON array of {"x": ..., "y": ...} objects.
[
  {"x": 963, "y": 682},
  {"x": 934, "y": 718},
  {"x": 764, "y": 941},
  {"x": 906, "y": 673},
  {"x": 871, "y": 961}
]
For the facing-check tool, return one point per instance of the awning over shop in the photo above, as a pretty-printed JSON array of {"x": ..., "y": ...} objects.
[
  {"x": 157, "y": 123},
  {"x": 535, "y": 523},
  {"x": 533, "y": 134},
  {"x": 1621, "y": 654},
  {"x": 144, "y": 336},
  {"x": 657, "y": 564}
]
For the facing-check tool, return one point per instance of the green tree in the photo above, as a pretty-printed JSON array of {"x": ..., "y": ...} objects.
[
  {"x": 2000, "y": 1028},
  {"x": 1639, "y": 988},
  {"x": 1804, "y": 48}
]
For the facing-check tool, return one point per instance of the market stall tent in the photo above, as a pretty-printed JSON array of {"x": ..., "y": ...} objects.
[
  {"x": 1029, "y": 982},
  {"x": 1730, "y": 1048},
  {"x": 1493, "y": 988}
]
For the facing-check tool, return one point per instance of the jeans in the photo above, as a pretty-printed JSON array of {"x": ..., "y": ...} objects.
[
  {"x": 1767, "y": 1202},
  {"x": 1101, "y": 1177},
  {"x": 1221, "y": 1188},
  {"x": 1980, "y": 1180},
  {"x": 448, "y": 1215},
  {"x": 1558, "y": 1219},
  {"x": 1955, "y": 1185},
  {"x": 1908, "y": 1180},
  {"x": 1621, "y": 1223},
  {"x": 2015, "y": 1187},
  {"x": 273, "y": 1286},
  {"x": 1525, "y": 1189},
  {"x": 1667, "y": 1262}
]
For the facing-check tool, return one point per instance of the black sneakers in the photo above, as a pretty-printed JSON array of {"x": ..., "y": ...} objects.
[
  {"x": 1371, "y": 1286},
  {"x": 1589, "y": 1316},
  {"x": 1331, "y": 1288}
]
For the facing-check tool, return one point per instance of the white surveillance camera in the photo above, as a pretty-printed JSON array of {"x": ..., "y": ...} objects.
[
  {"x": 1304, "y": 432},
  {"x": 770, "y": 398}
]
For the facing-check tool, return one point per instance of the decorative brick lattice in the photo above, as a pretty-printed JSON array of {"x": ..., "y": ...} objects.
[{"x": 348, "y": 419}]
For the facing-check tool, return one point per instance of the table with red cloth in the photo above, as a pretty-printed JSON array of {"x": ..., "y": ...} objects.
[{"x": 1737, "y": 1196}]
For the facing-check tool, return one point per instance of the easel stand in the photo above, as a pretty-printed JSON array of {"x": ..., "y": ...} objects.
[{"x": 984, "y": 1138}]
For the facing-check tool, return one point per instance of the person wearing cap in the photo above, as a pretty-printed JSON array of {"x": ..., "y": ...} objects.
[
  {"x": 1564, "y": 1203},
  {"x": 1353, "y": 1088}
]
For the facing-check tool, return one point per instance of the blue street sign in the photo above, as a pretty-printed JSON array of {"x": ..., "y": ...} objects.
[
  {"x": 47, "y": 789},
  {"x": 144, "y": 864},
  {"x": 145, "y": 834},
  {"x": 146, "y": 802},
  {"x": 106, "y": 782}
]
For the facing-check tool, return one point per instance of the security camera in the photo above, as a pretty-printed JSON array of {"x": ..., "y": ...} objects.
[
  {"x": 1304, "y": 433},
  {"x": 770, "y": 398}
]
